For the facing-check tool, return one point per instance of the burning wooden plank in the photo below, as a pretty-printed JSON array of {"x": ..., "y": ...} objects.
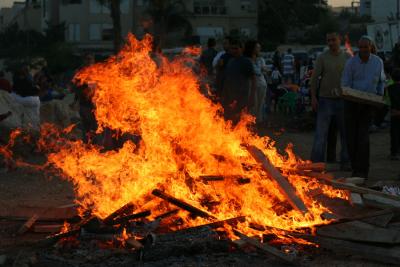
[
  {"x": 360, "y": 231},
  {"x": 128, "y": 218},
  {"x": 285, "y": 187},
  {"x": 127, "y": 208},
  {"x": 266, "y": 248},
  {"x": 28, "y": 224},
  {"x": 219, "y": 178},
  {"x": 167, "y": 214},
  {"x": 317, "y": 167},
  {"x": 366, "y": 191},
  {"x": 181, "y": 204}
]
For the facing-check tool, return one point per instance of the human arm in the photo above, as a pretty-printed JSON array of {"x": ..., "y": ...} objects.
[
  {"x": 216, "y": 59},
  {"x": 380, "y": 89}
]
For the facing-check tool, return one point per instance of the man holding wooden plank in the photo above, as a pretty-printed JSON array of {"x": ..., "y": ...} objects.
[
  {"x": 328, "y": 69},
  {"x": 364, "y": 72}
]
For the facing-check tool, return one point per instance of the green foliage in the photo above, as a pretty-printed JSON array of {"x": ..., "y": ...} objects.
[
  {"x": 20, "y": 47},
  {"x": 276, "y": 17},
  {"x": 168, "y": 16}
]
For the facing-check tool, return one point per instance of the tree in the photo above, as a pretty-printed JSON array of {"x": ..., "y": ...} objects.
[
  {"x": 167, "y": 16},
  {"x": 277, "y": 17},
  {"x": 115, "y": 11}
]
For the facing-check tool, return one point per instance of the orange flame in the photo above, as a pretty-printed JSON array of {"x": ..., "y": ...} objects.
[
  {"x": 349, "y": 49},
  {"x": 182, "y": 136}
]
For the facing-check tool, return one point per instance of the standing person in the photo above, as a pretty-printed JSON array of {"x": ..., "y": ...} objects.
[
  {"x": 396, "y": 55},
  {"x": 220, "y": 62},
  {"x": 328, "y": 70},
  {"x": 225, "y": 48},
  {"x": 365, "y": 73},
  {"x": 277, "y": 60},
  {"x": 239, "y": 84},
  {"x": 84, "y": 95},
  {"x": 394, "y": 94},
  {"x": 208, "y": 55},
  {"x": 252, "y": 51},
  {"x": 288, "y": 65}
]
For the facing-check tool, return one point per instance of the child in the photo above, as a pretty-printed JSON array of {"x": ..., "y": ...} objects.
[{"x": 394, "y": 94}]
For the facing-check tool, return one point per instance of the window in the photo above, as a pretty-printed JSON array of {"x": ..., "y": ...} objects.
[
  {"x": 95, "y": 32},
  {"x": 44, "y": 8},
  {"x": 207, "y": 7},
  {"x": 100, "y": 32},
  {"x": 74, "y": 32},
  {"x": 71, "y": 2},
  {"x": 124, "y": 6},
  {"x": 142, "y": 2},
  {"x": 96, "y": 8},
  {"x": 107, "y": 32}
]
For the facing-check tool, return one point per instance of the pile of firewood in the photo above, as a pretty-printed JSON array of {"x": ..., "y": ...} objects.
[{"x": 369, "y": 227}]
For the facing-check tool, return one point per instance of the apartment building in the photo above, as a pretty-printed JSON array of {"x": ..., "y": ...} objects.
[
  {"x": 26, "y": 16},
  {"x": 89, "y": 24},
  {"x": 216, "y": 18},
  {"x": 380, "y": 10}
]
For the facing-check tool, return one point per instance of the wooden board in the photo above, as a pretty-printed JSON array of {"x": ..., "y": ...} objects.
[
  {"x": 385, "y": 201},
  {"x": 353, "y": 95},
  {"x": 45, "y": 213},
  {"x": 370, "y": 252},
  {"x": 284, "y": 186},
  {"x": 360, "y": 231}
]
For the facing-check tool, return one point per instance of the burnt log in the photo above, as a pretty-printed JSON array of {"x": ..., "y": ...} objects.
[
  {"x": 184, "y": 243},
  {"x": 181, "y": 204}
]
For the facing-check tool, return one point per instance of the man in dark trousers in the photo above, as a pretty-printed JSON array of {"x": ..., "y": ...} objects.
[
  {"x": 365, "y": 73},
  {"x": 238, "y": 93}
]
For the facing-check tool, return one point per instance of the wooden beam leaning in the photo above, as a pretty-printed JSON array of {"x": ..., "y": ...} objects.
[
  {"x": 181, "y": 204},
  {"x": 284, "y": 186}
]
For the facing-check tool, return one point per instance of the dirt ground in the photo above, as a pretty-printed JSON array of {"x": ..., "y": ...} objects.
[{"x": 23, "y": 188}]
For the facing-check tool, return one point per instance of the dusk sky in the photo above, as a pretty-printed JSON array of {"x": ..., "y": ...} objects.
[{"x": 340, "y": 2}]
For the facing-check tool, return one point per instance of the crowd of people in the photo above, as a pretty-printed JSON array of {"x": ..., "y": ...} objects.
[{"x": 243, "y": 83}]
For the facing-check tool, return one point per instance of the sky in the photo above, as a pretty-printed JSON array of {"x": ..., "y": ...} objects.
[
  {"x": 331, "y": 2},
  {"x": 340, "y": 2}
]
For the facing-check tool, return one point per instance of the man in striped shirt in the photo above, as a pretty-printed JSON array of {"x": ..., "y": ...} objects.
[{"x": 288, "y": 64}]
